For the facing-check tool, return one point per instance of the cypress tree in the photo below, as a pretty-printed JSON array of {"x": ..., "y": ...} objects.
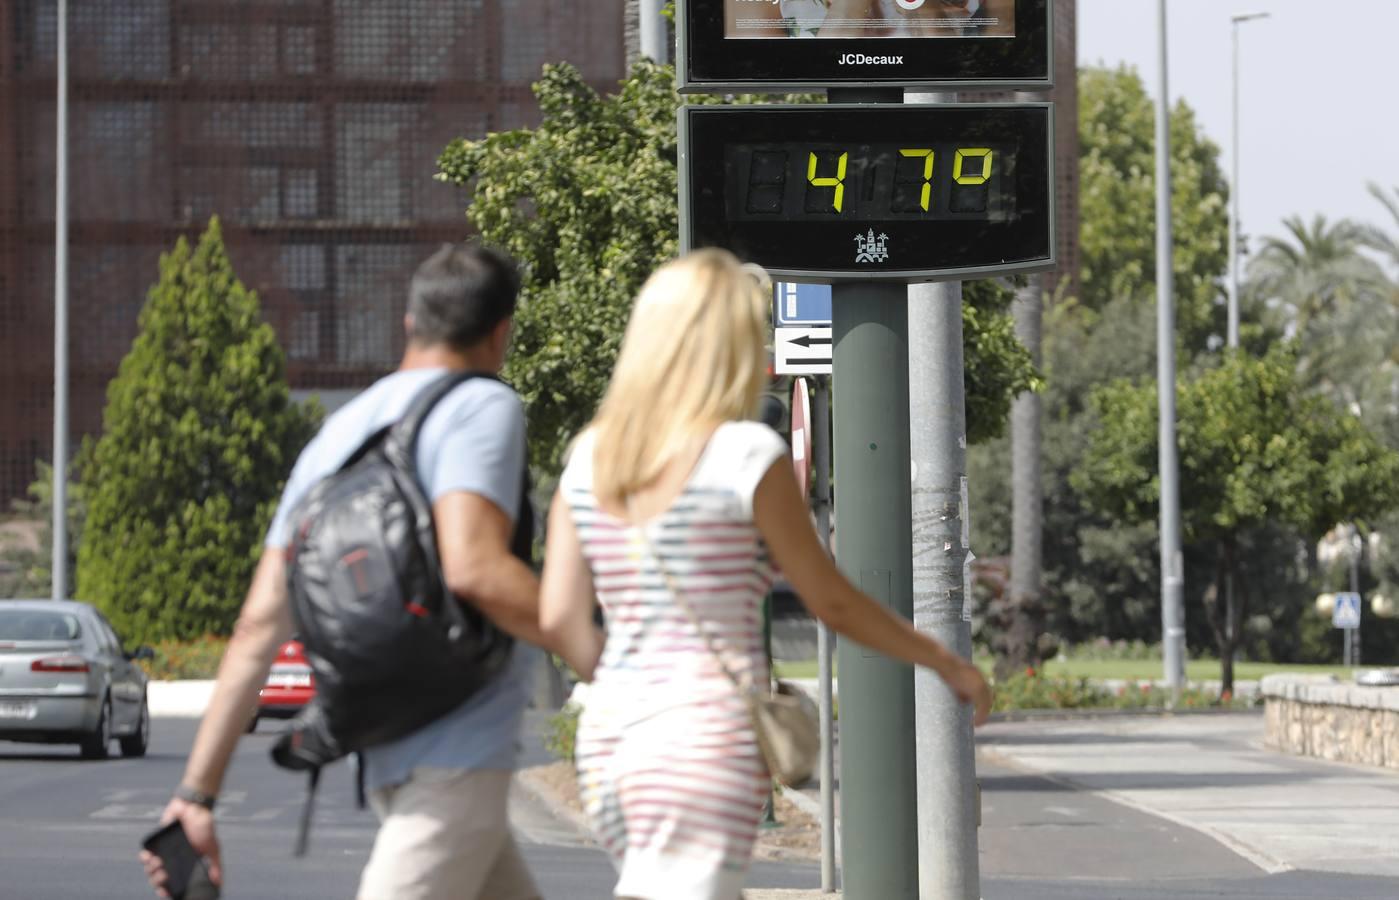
[{"x": 199, "y": 434}]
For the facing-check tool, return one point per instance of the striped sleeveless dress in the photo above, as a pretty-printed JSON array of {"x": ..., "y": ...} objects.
[{"x": 669, "y": 772}]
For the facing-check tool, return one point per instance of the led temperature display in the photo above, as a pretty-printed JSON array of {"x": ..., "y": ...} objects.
[
  {"x": 896, "y": 191},
  {"x": 882, "y": 182}
]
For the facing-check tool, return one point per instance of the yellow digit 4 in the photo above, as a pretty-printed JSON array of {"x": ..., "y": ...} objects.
[
  {"x": 982, "y": 153},
  {"x": 838, "y": 182},
  {"x": 928, "y": 157}
]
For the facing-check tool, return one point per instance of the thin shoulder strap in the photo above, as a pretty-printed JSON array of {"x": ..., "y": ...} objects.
[
  {"x": 684, "y": 602},
  {"x": 402, "y": 444}
]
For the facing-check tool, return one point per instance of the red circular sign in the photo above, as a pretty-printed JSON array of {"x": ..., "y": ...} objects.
[{"x": 801, "y": 434}]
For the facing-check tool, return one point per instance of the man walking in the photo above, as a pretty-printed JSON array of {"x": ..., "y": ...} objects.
[{"x": 440, "y": 792}]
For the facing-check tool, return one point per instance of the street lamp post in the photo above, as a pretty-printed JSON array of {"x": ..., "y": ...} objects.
[
  {"x": 59, "y": 589},
  {"x": 1172, "y": 574},
  {"x": 1234, "y": 189}
]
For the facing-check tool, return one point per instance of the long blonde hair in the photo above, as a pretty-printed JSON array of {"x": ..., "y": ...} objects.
[{"x": 694, "y": 356}]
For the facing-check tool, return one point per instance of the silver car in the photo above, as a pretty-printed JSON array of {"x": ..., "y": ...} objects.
[{"x": 65, "y": 678}]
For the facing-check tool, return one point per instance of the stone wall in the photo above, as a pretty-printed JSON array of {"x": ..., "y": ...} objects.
[{"x": 1331, "y": 720}]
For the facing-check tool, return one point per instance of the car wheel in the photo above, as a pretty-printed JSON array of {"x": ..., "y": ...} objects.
[
  {"x": 135, "y": 743},
  {"x": 96, "y": 744}
]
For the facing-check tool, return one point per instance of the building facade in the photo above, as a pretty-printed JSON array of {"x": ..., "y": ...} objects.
[{"x": 310, "y": 127}]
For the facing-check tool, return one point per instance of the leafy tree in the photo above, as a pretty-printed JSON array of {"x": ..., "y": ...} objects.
[
  {"x": 1101, "y": 576},
  {"x": 1256, "y": 450},
  {"x": 1117, "y": 177},
  {"x": 198, "y": 435},
  {"x": 587, "y": 203}
]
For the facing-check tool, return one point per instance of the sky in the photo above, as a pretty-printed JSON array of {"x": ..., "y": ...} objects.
[{"x": 1318, "y": 94}]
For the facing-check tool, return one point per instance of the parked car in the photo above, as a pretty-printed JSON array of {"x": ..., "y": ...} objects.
[
  {"x": 65, "y": 678},
  {"x": 290, "y": 685}
]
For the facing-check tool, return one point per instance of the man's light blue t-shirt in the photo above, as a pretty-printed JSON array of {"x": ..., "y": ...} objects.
[{"x": 473, "y": 440}]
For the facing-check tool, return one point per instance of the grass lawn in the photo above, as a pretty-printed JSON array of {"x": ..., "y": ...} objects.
[{"x": 1195, "y": 669}]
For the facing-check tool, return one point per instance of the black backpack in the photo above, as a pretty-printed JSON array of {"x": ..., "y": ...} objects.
[{"x": 391, "y": 648}]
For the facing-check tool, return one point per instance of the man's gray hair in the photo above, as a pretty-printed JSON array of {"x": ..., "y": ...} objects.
[{"x": 460, "y": 294}]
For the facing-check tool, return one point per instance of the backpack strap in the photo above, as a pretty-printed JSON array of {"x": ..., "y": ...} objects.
[
  {"x": 303, "y": 831},
  {"x": 402, "y": 444}
]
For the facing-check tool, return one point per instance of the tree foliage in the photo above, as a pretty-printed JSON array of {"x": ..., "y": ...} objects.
[
  {"x": 199, "y": 432},
  {"x": 586, "y": 202},
  {"x": 1117, "y": 176},
  {"x": 1101, "y": 576},
  {"x": 1316, "y": 284},
  {"x": 1256, "y": 450}
]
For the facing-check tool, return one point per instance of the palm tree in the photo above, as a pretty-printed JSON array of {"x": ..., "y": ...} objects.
[
  {"x": 1340, "y": 306},
  {"x": 1314, "y": 271},
  {"x": 1386, "y": 243}
]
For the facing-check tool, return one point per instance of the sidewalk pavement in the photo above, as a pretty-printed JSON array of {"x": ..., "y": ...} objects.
[{"x": 1209, "y": 773}]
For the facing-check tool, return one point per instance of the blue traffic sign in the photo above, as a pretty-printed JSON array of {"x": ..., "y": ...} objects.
[
  {"x": 1346, "y": 613},
  {"x": 801, "y": 304}
]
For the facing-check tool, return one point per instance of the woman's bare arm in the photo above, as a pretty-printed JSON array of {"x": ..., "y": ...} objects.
[
  {"x": 782, "y": 518},
  {"x": 566, "y": 596}
]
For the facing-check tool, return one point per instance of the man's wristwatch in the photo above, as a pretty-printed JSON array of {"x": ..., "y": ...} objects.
[{"x": 198, "y": 798}]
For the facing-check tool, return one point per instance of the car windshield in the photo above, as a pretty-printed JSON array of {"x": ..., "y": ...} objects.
[{"x": 38, "y": 625}]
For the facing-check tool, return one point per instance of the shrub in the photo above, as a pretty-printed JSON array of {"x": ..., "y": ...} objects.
[
  {"x": 1031, "y": 690},
  {"x": 561, "y": 733},
  {"x": 176, "y": 660}
]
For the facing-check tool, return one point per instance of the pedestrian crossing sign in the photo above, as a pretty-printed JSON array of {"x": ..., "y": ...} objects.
[{"x": 1346, "y": 613}]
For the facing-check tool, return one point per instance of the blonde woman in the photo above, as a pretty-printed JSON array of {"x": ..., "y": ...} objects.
[{"x": 671, "y": 512}]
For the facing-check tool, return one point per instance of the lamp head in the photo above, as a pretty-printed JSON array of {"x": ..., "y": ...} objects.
[{"x": 1245, "y": 17}]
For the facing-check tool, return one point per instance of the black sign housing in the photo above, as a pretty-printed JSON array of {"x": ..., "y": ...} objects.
[
  {"x": 840, "y": 192},
  {"x": 709, "y": 61}
]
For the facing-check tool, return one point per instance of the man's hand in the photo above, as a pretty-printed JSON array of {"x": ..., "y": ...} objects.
[
  {"x": 967, "y": 682},
  {"x": 198, "y": 824}
]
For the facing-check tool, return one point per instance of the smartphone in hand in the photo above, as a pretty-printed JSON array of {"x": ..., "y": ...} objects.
[{"x": 187, "y": 878}]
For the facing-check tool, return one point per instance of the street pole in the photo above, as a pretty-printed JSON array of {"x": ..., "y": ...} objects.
[
  {"x": 1172, "y": 567},
  {"x": 60, "y": 323},
  {"x": 946, "y": 759},
  {"x": 655, "y": 31},
  {"x": 869, "y": 329},
  {"x": 821, "y": 459},
  {"x": 1233, "y": 338},
  {"x": 879, "y": 849},
  {"x": 1357, "y": 546}
]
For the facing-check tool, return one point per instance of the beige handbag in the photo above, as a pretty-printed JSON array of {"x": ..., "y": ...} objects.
[{"x": 787, "y": 731}]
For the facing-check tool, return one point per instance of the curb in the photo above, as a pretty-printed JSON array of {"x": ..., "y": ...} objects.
[
  {"x": 525, "y": 780},
  {"x": 179, "y": 699}
]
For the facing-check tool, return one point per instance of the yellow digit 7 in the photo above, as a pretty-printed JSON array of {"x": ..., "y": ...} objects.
[
  {"x": 837, "y": 182},
  {"x": 982, "y": 153},
  {"x": 928, "y": 157}
]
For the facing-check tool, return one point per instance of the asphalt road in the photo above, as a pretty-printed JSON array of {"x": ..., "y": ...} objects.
[{"x": 69, "y": 829}]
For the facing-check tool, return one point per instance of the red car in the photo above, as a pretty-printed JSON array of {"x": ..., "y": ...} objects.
[{"x": 290, "y": 685}]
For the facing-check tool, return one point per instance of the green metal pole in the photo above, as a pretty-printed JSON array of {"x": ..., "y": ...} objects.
[{"x": 878, "y": 800}]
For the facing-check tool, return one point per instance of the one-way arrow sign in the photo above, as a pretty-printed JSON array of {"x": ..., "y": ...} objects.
[{"x": 803, "y": 351}]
